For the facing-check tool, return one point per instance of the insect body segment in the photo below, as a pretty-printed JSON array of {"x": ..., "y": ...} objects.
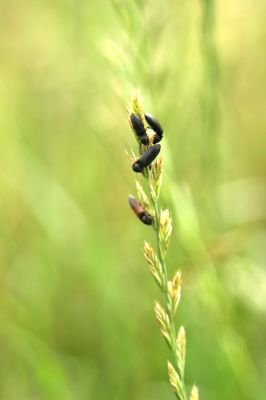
[
  {"x": 139, "y": 129},
  {"x": 146, "y": 158},
  {"x": 155, "y": 126},
  {"x": 139, "y": 211}
]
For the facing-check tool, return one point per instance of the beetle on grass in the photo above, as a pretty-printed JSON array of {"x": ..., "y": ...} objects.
[
  {"x": 146, "y": 158},
  {"x": 142, "y": 215},
  {"x": 139, "y": 129},
  {"x": 155, "y": 126}
]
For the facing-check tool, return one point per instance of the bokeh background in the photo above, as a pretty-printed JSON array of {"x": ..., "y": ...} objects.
[{"x": 76, "y": 297}]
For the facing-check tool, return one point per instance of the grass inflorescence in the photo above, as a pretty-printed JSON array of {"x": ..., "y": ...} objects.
[{"x": 149, "y": 165}]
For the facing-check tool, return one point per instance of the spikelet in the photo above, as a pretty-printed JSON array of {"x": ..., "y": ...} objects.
[
  {"x": 164, "y": 322},
  {"x": 131, "y": 155},
  {"x": 194, "y": 394},
  {"x": 155, "y": 265},
  {"x": 181, "y": 350},
  {"x": 156, "y": 177},
  {"x": 136, "y": 107},
  {"x": 165, "y": 230},
  {"x": 175, "y": 381},
  {"x": 174, "y": 292},
  {"x": 144, "y": 201}
]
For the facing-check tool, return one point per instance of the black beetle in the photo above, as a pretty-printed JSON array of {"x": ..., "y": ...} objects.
[
  {"x": 155, "y": 126},
  {"x": 139, "y": 129},
  {"x": 146, "y": 158}
]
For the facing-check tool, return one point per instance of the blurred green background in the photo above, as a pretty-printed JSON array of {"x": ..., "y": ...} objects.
[{"x": 76, "y": 297}]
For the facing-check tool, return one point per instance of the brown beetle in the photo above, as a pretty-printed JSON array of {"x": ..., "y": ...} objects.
[{"x": 139, "y": 211}]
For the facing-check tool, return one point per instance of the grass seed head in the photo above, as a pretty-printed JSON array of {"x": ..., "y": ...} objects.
[
  {"x": 194, "y": 394},
  {"x": 136, "y": 107},
  {"x": 156, "y": 177},
  {"x": 164, "y": 322},
  {"x": 165, "y": 230},
  {"x": 181, "y": 350},
  {"x": 174, "y": 292},
  {"x": 175, "y": 380},
  {"x": 155, "y": 265},
  {"x": 143, "y": 198}
]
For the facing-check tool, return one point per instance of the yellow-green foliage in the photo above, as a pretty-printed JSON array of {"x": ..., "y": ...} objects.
[{"x": 75, "y": 299}]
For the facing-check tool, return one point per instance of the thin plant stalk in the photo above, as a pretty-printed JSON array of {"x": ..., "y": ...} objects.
[{"x": 149, "y": 166}]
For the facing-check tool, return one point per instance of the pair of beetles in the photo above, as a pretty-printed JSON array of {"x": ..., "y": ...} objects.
[
  {"x": 146, "y": 158},
  {"x": 151, "y": 153}
]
